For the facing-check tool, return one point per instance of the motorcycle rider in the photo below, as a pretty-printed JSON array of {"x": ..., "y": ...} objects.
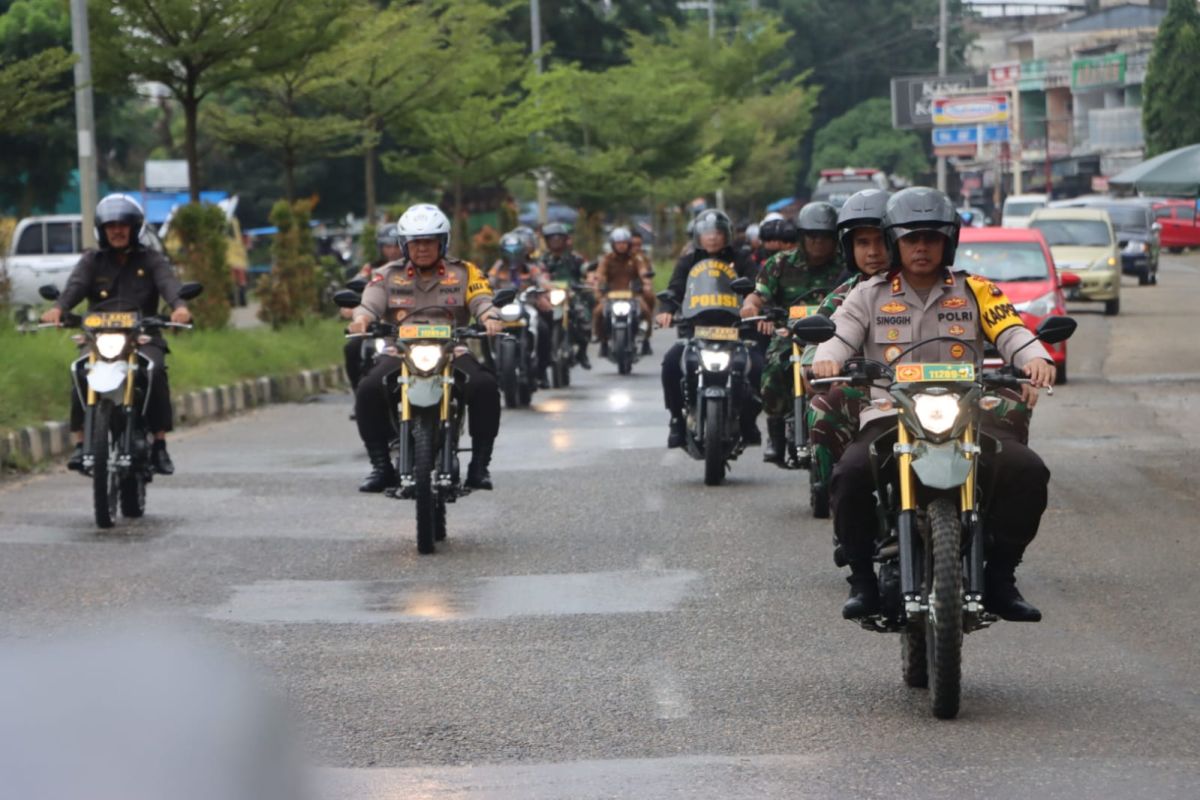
[
  {"x": 515, "y": 269},
  {"x": 786, "y": 278},
  {"x": 621, "y": 269},
  {"x": 712, "y": 237},
  {"x": 561, "y": 263},
  {"x": 425, "y": 277},
  {"x": 387, "y": 245},
  {"x": 122, "y": 269},
  {"x": 922, "y": 296}
]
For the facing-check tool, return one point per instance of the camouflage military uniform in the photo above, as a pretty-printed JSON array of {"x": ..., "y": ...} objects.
[{"x": 784, "y": 280}]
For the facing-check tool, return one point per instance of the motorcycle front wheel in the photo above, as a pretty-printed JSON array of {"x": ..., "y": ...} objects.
[
  {"x": 714, "y": 443},
  {"x": 106, "y": 482},
  {"x": 423, "y": 461},
  {"x": 944, "y": 621}
]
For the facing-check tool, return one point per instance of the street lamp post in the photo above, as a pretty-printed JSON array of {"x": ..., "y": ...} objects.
[{"x": 84, "y": 124}]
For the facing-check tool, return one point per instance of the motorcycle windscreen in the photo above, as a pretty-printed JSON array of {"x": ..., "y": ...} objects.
[{"x": 707, "y": 297}]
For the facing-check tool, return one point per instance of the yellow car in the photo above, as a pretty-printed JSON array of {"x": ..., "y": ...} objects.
[{"x": 1084, "y": 244}]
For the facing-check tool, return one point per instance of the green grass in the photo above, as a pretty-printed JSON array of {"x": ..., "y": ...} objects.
[{"x": 34, "y": 382}]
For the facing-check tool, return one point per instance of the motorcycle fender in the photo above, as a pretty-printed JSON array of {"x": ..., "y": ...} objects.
[
  {"x": 107, "y": 376},
  {"x": 940, "y": 466},
  {"x": 424, "y": 392},
  {"x": 716, "y": 391}
]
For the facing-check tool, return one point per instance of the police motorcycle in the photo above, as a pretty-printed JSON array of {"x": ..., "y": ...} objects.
[
  {"x": 112, "y": 381},
  {"x": 623, "y": 325},
  {"x": 716, "y": 362},
  {"x": 515, "y": 351},
  {"x": 931, "y": 544},
  {"x": 563, "y": 321},
  {"x": 430, "y": 416}
]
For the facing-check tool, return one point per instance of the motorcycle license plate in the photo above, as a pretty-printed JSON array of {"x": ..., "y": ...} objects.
[
  {"x": 717, "y": 334},
  {"x": 800, "y": 312},
  {"x": 934, "y": 373},
  {"x": 110, "y": 319},
  {"x": 514, "y": 323},
  {"x": 424, "y": 332},
  {"x": 620, "y": 294}
]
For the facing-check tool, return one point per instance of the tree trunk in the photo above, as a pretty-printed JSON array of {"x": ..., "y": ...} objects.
[
  {"x": 369, "y": 170},
  {"x": 191, "y": 108},
  {"x": 458, "y": 224},
  {"x": 289, "y": 177}
]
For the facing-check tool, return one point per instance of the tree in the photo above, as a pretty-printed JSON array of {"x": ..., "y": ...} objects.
[
  {"x": 592, "y": 33},
  {"x": 31, "y": 88},
  {"x": 1172, "y": 84},
  {"x": 864, "y": 137},
  {"x": 194, "y": 49}
]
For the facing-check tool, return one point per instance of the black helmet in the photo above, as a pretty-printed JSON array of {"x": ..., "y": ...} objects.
[
  {"x": 555, "y": 229},
  {"x": 119, "y": 208},
  {"x": 778, "y": 230},
  {"x": 387, "y": 235},
  {"x": 709, "y": 221},
  {"x": 817, "y": 217},
  {"x": 863, "y": 210},
  {"x": 921, "y": 208}
]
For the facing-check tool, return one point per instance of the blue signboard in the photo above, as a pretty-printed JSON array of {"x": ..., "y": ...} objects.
[{"x": 969, "y": 135}]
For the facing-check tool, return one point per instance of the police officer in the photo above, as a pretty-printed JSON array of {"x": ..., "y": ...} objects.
[
  {"x": 124, "y": 275},
  {"x": 620, "y": 269},
  {"x": 922, "y": 297},
  {"x": 561, "y": 263},
  {"x": 712, "y": 237},
  {"x": 785, "y": 279},
  {"x": 426, "y": 285},
  {"x": 515, "y": 269},
  {"x": 387, "y": 245}
]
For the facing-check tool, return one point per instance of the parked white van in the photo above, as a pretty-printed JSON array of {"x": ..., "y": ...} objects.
[{"x": 1018, "y": 208}]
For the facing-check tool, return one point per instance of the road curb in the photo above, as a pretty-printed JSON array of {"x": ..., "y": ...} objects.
[{"x": 23, "y": 448}]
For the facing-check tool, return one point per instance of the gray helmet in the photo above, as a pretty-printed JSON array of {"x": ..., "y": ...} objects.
[
  {"x": 863, "y": 210},
  {"x": 387, "y": 235},
  {"x": 778, "y": 230},
  {"x": 921, "y": 208},
  {"x": 119, "y": 208},
  {"x": 528, "y": 236},
  {"x": 621, "y": 234},
  {"x": 817, "y": 217},
  {"x": 555, "y": 229},
  {"x": 513, "y": 247},
  {"x": 709, "y": 221}
]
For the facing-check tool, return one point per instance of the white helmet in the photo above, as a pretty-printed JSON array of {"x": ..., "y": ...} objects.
[
  {"x": 769, "y": 217},
  {"x": 424, "y": 221},
  {"x": 752, "y": 231},
  {"x": 620, "y": 235}
]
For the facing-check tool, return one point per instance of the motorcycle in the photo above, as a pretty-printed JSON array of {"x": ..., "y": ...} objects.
[
  {"x": 516, "y": 349},
  {"x": 715, "y": 364},
  {"x": 112, "y": 381},
  {"x": 931, "y": 544},
  {"x": 622, "y": 325},
  {"x": 430, "y": 416},
  {"x": 562, "y": 351}
]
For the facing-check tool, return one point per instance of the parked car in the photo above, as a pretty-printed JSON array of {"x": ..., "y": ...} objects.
[
  {"x": 1018, "y": 208},
  {"x": 44, "y": 250},
  {"x": 1083, "y": 243},
  {"x": 1137, "y": 233},
  {"x": 1020, "y": 263},
  {"x": 1180, "y": 228}
]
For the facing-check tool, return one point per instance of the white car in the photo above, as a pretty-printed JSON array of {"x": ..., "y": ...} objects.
[{"x": 1018, "y": 208}]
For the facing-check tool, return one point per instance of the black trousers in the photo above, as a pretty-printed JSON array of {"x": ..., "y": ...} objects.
[
  {"x": 159, "y": 418},
  {"x": 1014, "y": 509},
  {"x": 353, "y": 357},
  {"x": 672, "y": 382},
  {"x": 375, "y": 398}
]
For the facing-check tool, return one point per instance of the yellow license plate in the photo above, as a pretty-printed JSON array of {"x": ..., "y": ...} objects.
[
  {"x": 800, "y": 312},
  {"x": 934, "y": 373},
  {"x": 514, "y": 323},
  {"x": 424, "y": 332},
  {"x": 110, "y": 319},
  {"x": 717, "y": 334},
  {"x": 620, "y": 294}
]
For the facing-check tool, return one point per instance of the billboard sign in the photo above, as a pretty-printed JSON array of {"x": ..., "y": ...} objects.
[
  {"x": 969, "y": 134},
  {"x": 1098, "y": 73},
  {"x": 912, "y": 98},
  {"x": 1004, "y": 75},
  {"x": 970, "y": 109},
  {"x": 162, "y": 175}
]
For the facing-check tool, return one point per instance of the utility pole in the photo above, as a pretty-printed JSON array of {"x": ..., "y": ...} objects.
[
  {"x": 535, "y": 38},
  {"x": 712, "y": 19},
  {"x": 85, "y": 128},
  {"x": 943, "y": 46}
]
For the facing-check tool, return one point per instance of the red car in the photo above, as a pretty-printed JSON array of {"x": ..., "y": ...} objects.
[
  {"x": 1019, "y": 262},
  {"x": 1180, "y": 228}
]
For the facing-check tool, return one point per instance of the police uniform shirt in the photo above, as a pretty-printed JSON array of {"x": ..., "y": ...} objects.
[{"x": 453, "y": 291}]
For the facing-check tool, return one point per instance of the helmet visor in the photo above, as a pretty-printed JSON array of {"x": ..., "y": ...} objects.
[{"x": 899, "y": 232}]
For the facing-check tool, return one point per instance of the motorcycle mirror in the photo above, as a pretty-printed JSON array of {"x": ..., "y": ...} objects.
[
  {"x": 742, "y": 286},
  {"x": 49, "y": 291},
  {"x": 190, "y": 290},
  {"x": 356, "y": 284},
  {"x": 1053, "y": 330},
  {"x": 504, "y": 297},
  {"x": 814, "y": 330},
  {"x": 347, "y": 298}
]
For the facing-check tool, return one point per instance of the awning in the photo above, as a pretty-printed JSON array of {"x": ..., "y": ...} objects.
[{"x": 1172, "y": 174}]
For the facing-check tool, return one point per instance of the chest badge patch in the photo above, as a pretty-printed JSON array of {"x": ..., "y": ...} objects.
[
  {"x": 995, "y": 290},
  {"x": 893, "y": 307},
  {"x": 892, "y": 352},
  {"x": 893, "y": 334},
  {"x": 957, "y": 350},
  {"x": 954, "y": 302},
  {"x": 957, "y": 330}
]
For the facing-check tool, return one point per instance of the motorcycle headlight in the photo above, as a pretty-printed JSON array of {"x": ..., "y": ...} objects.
[
  {"x": 621, "y": 308},
  {"x": 558, "y": 296},
  {"x": 511, "y": 312},
  {"x": 1134, "y": 247},
  {"x": 380, "y": 345},
  {"x": 425, "y": 357},
  {"x": 110, "y": 345},
  {"x": 1039, "y": 306},
  {"x": 936, "y": 412},
  {"x": 714, "y": 360}
]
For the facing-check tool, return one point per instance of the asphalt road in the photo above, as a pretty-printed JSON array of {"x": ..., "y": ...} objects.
[{"x": 603, "y": 625}]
